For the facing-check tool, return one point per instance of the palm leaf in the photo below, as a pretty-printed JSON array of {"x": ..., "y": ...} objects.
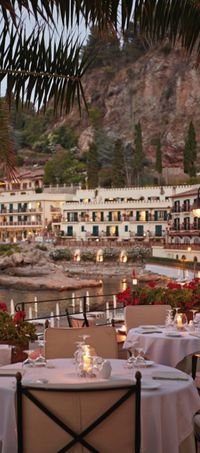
[
  {"x": 7, "y": 157},
  {"x": 37, "y": 68}
]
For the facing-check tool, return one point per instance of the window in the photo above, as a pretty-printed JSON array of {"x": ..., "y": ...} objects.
[{"x": 126, "y": 228}]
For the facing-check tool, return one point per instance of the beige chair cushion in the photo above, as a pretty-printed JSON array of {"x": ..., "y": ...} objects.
[
  {"x": 61, "y": 342},
  {"x": 78, "y": 410},
  {"x": 145, "y": 314}
]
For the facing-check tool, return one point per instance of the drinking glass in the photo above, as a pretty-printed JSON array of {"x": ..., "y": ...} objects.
[
  {"x": 40, "y": 360},
  {"x": 28, "y": 362},
  {"x": 131, "y": 360},
  {"x": 139, "y": 359}
]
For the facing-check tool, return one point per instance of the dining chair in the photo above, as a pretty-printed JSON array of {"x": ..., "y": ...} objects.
[
  {"x": 60, "y": 342},
  {"x": 145, "y": 314},
  {"x": 98, "y": 417}
]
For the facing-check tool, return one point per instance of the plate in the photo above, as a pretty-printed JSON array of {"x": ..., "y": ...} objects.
[
  {"x": 149, "y": 362},
  {"x": 173, "y": 334},
  {"x": 149, "y": 327},
  {"x": 150, "y": 385}
]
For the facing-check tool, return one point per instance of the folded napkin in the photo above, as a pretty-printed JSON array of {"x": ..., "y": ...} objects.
[
  {"x": 170, "y": 376},
  {"x": 195, "y": 334},
  {"x": 151, "y": 331},
  {"x": 11, "y": 371}
]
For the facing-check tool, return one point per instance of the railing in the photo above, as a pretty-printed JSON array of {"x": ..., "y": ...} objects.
[{"x": 84, "y": 306}]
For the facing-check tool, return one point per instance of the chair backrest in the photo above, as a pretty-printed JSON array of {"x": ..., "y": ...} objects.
[
  {"x": 79, "y": 418},
  {"x": 61, "y": 342},
  {"x": 144, "y": 314}
]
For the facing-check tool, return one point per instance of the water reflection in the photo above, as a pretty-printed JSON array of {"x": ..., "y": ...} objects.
[{"x": 111, "y": 285}]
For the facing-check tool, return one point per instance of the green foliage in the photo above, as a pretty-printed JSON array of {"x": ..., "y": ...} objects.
[
  {"x": 110, "y": 254},
  {"x": 138, "y": 159},
  {"x": 105, "y": 45},
  {"x": 41, "y": 247},
  {"x": 63, "y": 136},
  {"x": 9, "y": 249},
  {"x": 61, "y": 254},
  {"x": 190, "y": 151},
  {"x": 88, "y": 256},
  {"x": 118, "y": 165},
  {"x": 64, "y": 168},
  {"x": 16, "y": 333},
  {"x": 92, "y": 166}
]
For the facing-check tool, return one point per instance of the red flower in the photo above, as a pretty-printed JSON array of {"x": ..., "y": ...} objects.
[
  {"x": 173, "y": 285},
  {"x": 19, "y": 316},
  {"x": 151, "y": 284},
  {"x": 3, "y": 306}
]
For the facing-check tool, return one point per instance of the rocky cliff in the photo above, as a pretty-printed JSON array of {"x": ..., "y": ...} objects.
[{"x": 161, "y": 90}]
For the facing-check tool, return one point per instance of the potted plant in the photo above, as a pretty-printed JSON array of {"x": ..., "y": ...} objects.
[{"x": 14, "y": 330}]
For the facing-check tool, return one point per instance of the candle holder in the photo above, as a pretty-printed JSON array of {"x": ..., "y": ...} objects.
[
  {"x": 85, "y": 361},
  {"x": 180, "y": 321}
]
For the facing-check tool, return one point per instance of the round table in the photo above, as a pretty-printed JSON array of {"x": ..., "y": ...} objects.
[
  {"x": 162, "y": 346},
  {"x": 167, "y": 406}
]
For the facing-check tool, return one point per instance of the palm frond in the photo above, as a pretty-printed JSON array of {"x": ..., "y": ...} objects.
[
  {"x": 37, "y": 68},
  {"x": 175, "y": 19},
  {"x": 7, "y": 157}
]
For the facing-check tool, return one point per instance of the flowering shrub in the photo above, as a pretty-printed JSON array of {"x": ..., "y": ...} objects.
[
  {"x": 15, "y": 330},
  {"x": 185, "y": 296}
]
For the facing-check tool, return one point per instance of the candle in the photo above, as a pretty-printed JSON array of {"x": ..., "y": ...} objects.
[
  {"x": 30, "y": 315},
  {"x": 114, "y": 302},
  {"x": 87, "y": 301},
  {"x": 12, "y": 307},
  {"x": 35, "y": 305},
  {"x": 86, "y": 362},
  {"x": 179, "y": 321},
  {"x": 73, "y": 303},
  {"x": 52, "y": 319},
  {"x": 57, "y": 313},
  {"x": 107, "y": 310},
  {"x": 81, "y": 305}
]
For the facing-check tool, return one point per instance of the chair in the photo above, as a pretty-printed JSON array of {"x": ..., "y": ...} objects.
[
  {"x": 102, "y": 417},
  {"x": 145, "y": 314},
  {"x": 61, "y": 342}
]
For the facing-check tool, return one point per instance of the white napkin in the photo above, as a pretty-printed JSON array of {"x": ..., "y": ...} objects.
[
  {"x": 170, "y": 375},
  {"x": 195, "y": 334}
]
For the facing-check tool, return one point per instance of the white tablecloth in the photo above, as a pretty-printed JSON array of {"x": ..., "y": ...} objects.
[
  {"x": 161, "y": 348},
  {"x": 5, "y": 354},
  {"x": 167, "y": 411}
]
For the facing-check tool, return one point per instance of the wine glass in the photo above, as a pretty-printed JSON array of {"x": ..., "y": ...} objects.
[
  {"x": 40, "y": 360},
  {"x": 139, "y": 359},
  {"x": 131, "y": 359},
  {"x": 28, "y": 362}
]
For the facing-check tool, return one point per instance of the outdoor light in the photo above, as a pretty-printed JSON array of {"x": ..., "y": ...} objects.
[{"x": 196, "y": 205}]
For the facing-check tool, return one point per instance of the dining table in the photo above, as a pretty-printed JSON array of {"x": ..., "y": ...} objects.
[
  {"x": 5, "y": 354},
  {"x": 169, "y": 400},
  {"x": 164, "y": 346}
]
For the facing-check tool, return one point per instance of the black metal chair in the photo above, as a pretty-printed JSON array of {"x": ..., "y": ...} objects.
[{"x": 100, "y": 418}]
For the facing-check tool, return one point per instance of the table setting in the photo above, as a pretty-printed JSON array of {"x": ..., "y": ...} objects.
[
  {"x": 166, "y": 394},
  {"x": 167, "y": 344}
]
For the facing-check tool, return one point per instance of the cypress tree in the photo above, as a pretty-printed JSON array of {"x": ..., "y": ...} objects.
[
  {"x": 92, "y": 166},
  {"x": 138, "y": 160},
  {"x": 118, "y": 167},
  {"x": 190, "y": 151}
]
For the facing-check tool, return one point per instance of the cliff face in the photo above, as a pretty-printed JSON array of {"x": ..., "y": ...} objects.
[{"x": 161, "y": 90}]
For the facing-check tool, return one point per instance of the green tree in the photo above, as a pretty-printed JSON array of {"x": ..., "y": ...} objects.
[
  {"x": 190, "y": 151},
  {"x": 63, "y": 168},
  {"x": 118, "y": 167},
  {"x": 158, "y": 164},
  {"x": 138, "y": 158},
  {"x": 34, "y": 66},
  {"x": 92, "y": 166}
]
